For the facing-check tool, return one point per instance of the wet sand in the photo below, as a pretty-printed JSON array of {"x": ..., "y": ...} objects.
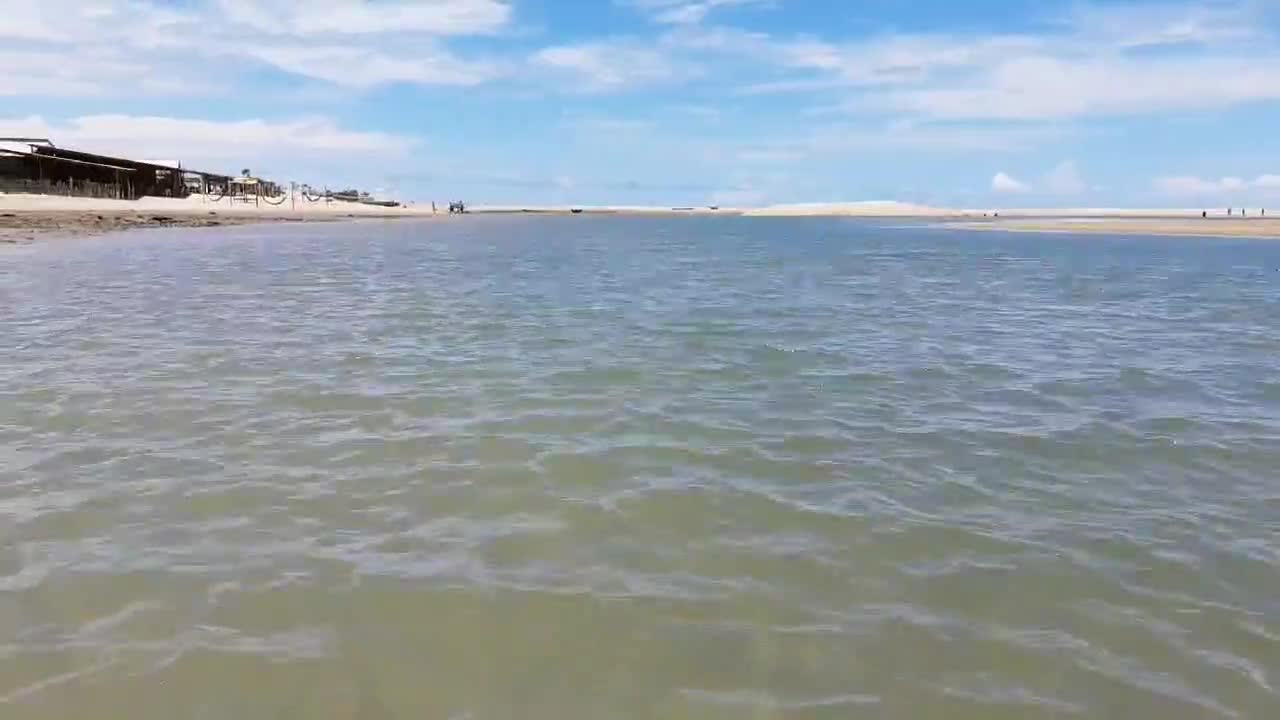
[
  {"x": 27, "y": 226},
  {"x": 25, "y": 218},
  {"x": 1196, "y": 227}
]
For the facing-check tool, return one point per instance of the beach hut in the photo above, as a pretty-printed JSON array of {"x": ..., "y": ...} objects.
[{"x": 244, "y": 189}]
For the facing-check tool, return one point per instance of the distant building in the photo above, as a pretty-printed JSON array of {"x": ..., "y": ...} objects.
[{"x": 45, "y": 168}]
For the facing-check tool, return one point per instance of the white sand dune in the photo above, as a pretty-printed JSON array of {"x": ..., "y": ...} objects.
[
  {"x": 604, "y": 209},
  {"x": 891, "y": 208},
  {"x": 1112, "y": 212},
  {"x": 870, "y": 208}
]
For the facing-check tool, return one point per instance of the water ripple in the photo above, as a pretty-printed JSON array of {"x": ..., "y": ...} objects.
[{"x": 610, "y": 467}]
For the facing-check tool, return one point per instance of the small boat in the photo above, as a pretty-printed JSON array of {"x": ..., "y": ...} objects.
[{"x": 576, "y": 211}]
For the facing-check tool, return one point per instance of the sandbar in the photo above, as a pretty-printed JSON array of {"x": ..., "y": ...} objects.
[{"x": 1257, "y": 227}]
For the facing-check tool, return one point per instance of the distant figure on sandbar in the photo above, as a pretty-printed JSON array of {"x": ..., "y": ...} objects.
[
  {"x": 1229, "y": 211},
  {"x": 1204, "y": 213}
]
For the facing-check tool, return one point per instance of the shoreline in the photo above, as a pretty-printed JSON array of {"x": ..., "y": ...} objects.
[
  {"x": 1168, "y": 226},
  {"x": 28, "y": 218},
  {"x": 25, "y": 226}
]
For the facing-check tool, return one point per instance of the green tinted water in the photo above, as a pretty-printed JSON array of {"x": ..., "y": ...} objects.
[{"x": 630, "y": 468}]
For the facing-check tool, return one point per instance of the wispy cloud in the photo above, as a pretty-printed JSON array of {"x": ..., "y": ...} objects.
[
  {"x": 1162, "y": 24},
  {"x": 1094, "y": 61},
  {"x": 92, "y": 72},
  {"x": 899, "y": 59},
  {"x": 1040, "y": 87},
  {"x": 1065, "y": 179},
  {"x": 352, "y": 17},
  {"x": 688, "y": 12},
  {"x": 609, "y": 64},
  {"x": 61, "y": 48},
  {"x": 605, "y": 125},
  {"x": 695, "y": 87},
  {"x": 844, "y": 138},
  {"x": 362, "y": 66}
]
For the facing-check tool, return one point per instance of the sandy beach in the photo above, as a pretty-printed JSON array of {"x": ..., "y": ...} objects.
[
  {"x": 24, "y": 218},
  {"x": 1109, "y": 221},
  {"x": 1182, "y": 226},
  {"x": 27, "y": 225}
]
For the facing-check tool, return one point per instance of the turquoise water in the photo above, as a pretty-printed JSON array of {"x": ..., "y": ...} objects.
[{"x": 639, "y": 468}]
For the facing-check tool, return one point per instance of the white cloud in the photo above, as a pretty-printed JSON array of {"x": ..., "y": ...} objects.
[
  {"x": 88, "y": 72},
  {"x": 1065, "y": 179},
  {"x": 608, "y": 65},
  {"x": 723, "y": 40},
  {"x": 61, "y": 48},
  {"x": 1041, "y": 87},
  {"x": 826, "y": 141},
  {"x": 1004, "y": 183},
  {"x": 356, "y": 17},
  {"x": 899, "y": 59},
  {"x": 1098, "y": 60},
  {"x": 1162, "y": 24},
  {"x": 354, "y": 66},
  {"x": 1189, "y": 185},
  {"x": 961, "y": 91},
  {"x": 1094, "y": 60},
  {"x": 57, "y": 48},
  {"x": 26, "y": 21}
]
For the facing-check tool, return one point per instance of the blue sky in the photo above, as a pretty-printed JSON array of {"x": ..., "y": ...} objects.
[{"x": 986, "y": 103}]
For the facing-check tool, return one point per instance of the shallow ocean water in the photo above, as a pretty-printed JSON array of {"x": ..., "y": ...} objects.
[{"x": 639, "y": 468}]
